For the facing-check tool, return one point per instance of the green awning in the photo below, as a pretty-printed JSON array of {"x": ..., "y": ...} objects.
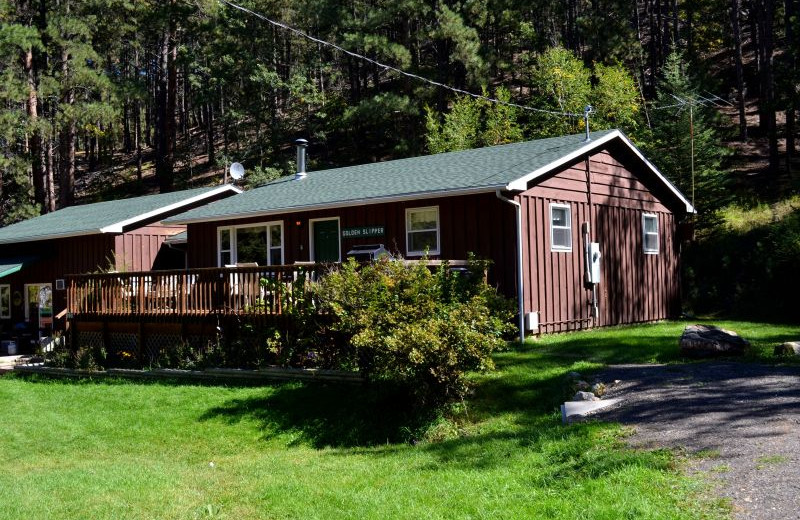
[
  {"x": 8, "y": 268},
  {"x": 12, "y": 265}
]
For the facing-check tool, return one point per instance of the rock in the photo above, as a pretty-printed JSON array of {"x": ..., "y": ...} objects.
[
  {"x": 574, "y": 375},
  {"x": 710, "y": 341},
  {"x": 585, "y": 396},
  {"x": 790, "y": 348},
  {"x": 583, "y": 386},
  {"x": 599, "y": 389}
]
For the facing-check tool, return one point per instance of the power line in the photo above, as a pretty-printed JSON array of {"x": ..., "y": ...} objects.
[{"x": 391, "y": 68}]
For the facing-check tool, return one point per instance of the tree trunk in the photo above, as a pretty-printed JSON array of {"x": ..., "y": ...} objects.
[
  {"x": 210, "y": 148},
  {"x": 67, "y": 182},
  {"x": 35, "y": 148},
  {"x": 67, "y": 140},
  {"x": 676, "y": 33},
  {"x": 791, "y": 11},
  {"x": 767, "y": 122},
  {"x": 127, "y": 142},
  {"x": 736, "y": 6},
  {"x": 166, "y": 104},
  {"x": 50, "y": 167}
]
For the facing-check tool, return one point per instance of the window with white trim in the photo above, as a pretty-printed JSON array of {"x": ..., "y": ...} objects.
[
  {"x": 650, "y": 233},
  {"x": 422, "y": 231},
  {"x": 252, "y": 243},
  {"x": 5, "y": 301},
  {"x": 560, "y": 227}
]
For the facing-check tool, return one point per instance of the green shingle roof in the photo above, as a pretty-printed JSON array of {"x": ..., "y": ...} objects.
[
  {"x": 103, "y": 217},
  {"x": 179, "y": 238},
  {"x": 481, "y": 169}
]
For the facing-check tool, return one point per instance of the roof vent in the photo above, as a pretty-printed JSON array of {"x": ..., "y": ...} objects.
[
  {"x": 301, "y": 159},
  {"x": 586, "y": 111}
]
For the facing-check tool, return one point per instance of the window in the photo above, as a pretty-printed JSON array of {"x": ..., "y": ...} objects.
[
  {"x": 560, "y": 227},
  {"x": 650, "y": 233},
  {"x": 422, "y": 231},
  {"x": 225, "y": 247},
  {"x": 257, "y": 243},
  {"x": 5, "y": 301}
]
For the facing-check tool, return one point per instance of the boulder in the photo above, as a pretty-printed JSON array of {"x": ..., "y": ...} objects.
[
  {"x": 790, "y": 348},
  {"x": 585, "y": 396},
  {"x": 701, "y": 341}
]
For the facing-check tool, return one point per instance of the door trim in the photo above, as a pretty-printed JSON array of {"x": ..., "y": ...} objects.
[
  {"x": 311, "y": 223},
  {"x": 26, "y": 300}
]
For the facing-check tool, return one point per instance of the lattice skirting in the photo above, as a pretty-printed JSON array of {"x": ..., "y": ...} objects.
[{"x": 90, "y": 340}]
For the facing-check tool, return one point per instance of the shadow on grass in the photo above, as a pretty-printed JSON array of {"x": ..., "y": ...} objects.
[
  {"x": 330, "y": 415},
  {"x": 526, "y": 391},
  {"x": 530, "y": 386}
]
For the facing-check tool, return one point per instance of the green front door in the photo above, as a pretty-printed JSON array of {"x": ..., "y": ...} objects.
[{"x": 326, "y": 240}]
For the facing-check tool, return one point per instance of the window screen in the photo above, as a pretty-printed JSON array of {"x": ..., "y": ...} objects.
[
  {"x": 422, "y": 231},
  {"x": 560, "y": 227},
  {"x": 650, "y": 233}
]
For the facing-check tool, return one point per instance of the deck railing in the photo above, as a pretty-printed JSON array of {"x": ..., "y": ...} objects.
[{"x": 190, "y": 292}]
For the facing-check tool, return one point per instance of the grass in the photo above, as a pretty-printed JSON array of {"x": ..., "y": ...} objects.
[
  {"x": 141, "y": 450},
  {"x": 743, "y": 219}
]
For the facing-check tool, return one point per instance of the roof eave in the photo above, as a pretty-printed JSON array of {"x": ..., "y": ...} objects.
[
  {"x": 119, "y": 227},
  {"x": 521, "y": 184},
  {"x": 356, "y": 202},
  {"x": 54, "y": 236}
]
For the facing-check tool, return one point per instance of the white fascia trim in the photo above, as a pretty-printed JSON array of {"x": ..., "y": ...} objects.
[
  {"x": 119, "y": 226},
  {"x": 521, "y": 184},
  {"x": 343, "y": 204}
]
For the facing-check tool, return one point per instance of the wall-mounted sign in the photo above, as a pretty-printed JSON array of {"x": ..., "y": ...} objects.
[{"x": 364, "y": 231}]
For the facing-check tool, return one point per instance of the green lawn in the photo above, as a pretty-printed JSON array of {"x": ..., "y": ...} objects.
[{"x": 136, "y": 450}]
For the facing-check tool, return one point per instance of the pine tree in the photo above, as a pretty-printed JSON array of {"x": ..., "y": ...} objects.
[
  {"x": 684, "y": 143},
  {"x": 17, "y": 41}
]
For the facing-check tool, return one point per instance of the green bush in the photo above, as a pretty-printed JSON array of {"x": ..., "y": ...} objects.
[
  {"x": 416, "y": 327},
  {"x": 84, "y": 358},
  {"x": 747, "y": 271}
]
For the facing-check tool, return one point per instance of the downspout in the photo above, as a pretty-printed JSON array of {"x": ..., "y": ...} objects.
[{"x": 520, "y": 281}]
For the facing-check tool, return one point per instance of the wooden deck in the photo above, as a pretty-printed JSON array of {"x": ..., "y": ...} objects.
[
  {"x": 268, "y": 290},
  {"x": 197, "y": 293}
]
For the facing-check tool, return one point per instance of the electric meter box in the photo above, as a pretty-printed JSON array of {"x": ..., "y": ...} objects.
[{"x": 594, "y": 262}]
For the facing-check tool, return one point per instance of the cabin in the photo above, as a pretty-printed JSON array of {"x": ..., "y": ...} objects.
[
  {"x": 36, "y": 255},
  {"x": 582, "y": 229}
]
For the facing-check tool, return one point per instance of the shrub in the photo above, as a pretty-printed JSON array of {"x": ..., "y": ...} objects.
[
  {"x": 84, "y": 358},
  {"x": 747, "y": 270},
  {"x": 416, "y": 327}
]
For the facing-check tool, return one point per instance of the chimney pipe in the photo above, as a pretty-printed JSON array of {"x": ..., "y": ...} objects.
[{"x": 301, "y": 159}]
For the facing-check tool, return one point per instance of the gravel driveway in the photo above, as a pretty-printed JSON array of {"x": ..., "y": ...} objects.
[{"x": 744, "y": 419}]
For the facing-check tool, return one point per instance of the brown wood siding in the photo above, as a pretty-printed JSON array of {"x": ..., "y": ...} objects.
[
  {"x": 136, "y": 250},
  {"x": 480, "y": 224},
  {"x": 58, "y": 258},
  {"x": 635, "y": 287}
]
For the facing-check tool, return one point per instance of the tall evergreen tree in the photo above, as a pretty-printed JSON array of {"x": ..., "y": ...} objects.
[{"x": 684, "y": 143}]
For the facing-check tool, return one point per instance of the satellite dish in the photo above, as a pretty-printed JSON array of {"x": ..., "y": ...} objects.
[{"x": 236, "y": 171}]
